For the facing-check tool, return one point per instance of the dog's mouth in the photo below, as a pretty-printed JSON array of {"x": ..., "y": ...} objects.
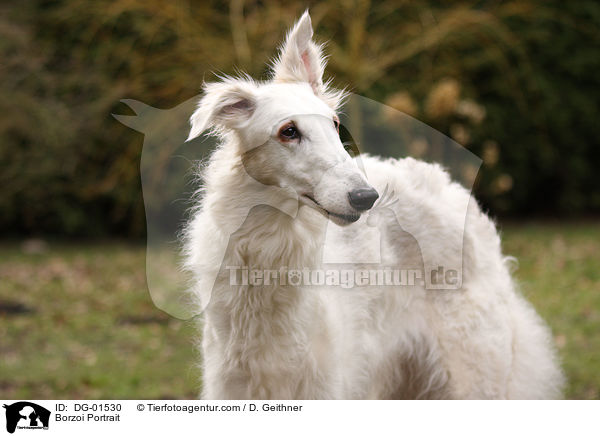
[{"x": 338, "y": 218}]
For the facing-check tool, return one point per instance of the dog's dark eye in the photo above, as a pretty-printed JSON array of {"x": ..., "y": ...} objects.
[
  {"x": 289, "y": 132},
  {"x": 336, "y": 123}
]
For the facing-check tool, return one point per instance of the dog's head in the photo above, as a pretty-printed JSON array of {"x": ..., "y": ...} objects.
[{"x": 288, "y": 129}]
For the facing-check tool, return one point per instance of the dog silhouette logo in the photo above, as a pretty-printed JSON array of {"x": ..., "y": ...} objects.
[{"x": 26, "y": 415}]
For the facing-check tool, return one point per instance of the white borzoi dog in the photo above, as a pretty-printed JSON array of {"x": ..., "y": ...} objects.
[{"x": 278, "y": 177}]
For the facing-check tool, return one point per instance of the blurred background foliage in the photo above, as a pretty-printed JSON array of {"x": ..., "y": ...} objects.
[{"x": 514, "y": 81}]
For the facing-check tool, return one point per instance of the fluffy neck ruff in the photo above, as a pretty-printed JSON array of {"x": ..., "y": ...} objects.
[
  {"x": 256, "y": 325},
  {"x": 266, "y": 229}
]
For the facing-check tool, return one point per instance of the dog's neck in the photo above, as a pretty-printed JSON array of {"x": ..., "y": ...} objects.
[
  {"x": 267, "y": 226},
  {"x": 264, "y": 226},
  {"x": 266, "y": 230}
]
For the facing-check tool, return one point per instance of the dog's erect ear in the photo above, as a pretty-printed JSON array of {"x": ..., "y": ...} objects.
[
  {"x": 300, "y": 59},
  {"x": 227, "y": 104}
]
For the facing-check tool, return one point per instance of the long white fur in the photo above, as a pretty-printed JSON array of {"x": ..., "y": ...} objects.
[{"x": 286, "y": 342}]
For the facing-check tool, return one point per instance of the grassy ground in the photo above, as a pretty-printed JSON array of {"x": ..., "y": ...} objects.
[
  {"x": 559, "y": 272},
  {"x": 77, "y": 321}
]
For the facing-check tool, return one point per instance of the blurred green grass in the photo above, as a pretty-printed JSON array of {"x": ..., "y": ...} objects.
[
  {"x": 94, "y": 331},
  {"x": 559, "y": 272},
  {"x": 77, "y": 320}
]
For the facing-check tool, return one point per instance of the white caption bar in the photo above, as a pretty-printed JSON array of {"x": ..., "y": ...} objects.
[{"x": 153, "y": 417}]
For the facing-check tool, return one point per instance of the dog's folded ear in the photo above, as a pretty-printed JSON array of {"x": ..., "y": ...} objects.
[
  {"x": 227, "y": 104},
  {"x": 300, "y": 59}
]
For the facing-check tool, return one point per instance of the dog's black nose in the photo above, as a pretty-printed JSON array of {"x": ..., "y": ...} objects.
[{"x": 363, "y": 199}]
